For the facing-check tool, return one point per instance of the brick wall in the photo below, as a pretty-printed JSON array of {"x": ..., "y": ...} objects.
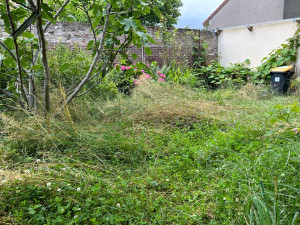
[{"x": 180, "y": 48}]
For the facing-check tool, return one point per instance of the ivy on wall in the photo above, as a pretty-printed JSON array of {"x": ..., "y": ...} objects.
[{"x": 285, "y": 55}]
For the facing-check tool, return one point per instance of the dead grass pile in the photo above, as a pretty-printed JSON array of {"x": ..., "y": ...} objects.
[
  {"x": 153, "y": 102},
  {"x": 249, "y": 91},
  {"x": 7, "y": 176}
]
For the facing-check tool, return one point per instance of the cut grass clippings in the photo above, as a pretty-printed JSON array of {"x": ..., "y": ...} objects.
[{"x": 165, "y": 155}]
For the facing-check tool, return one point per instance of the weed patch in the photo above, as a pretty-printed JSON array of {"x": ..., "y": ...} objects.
[{"x": 137, "y": 160}]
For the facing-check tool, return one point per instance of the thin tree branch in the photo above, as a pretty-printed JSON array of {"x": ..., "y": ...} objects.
[
  {"x": 37, "y": 52},
  {"x": 90, "y": 88},
  {"x": 111, "y": 60},
  {"x": 102, "y": 69},
  {"x": 56, "y": 15},
  {"x": 6, "y": 93},
  {"x": 17, "y": 50},
  {"x": 120, "y": 13},
  {"x": 25, "y": 6},
  {"x": 31, "y": 3},
  {"x": 13, "y": 55},
  {"x": 42, "y": 46},
  {"x": 90, "y": 22},
  {"x": 9, "y": 95},
  {"x": 94, "y": 63}
]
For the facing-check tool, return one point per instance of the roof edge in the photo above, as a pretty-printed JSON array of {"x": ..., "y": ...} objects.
[
  {"x": 295, "y": 20},
  {"x": 215, "y": 12}
]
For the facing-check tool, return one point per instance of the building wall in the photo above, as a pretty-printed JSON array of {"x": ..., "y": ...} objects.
[
  {"x": 79, "y": 34},
  {"x": 238, "y": 44},
  {"x": 243, "y": 12},
  {"x": 291, "y": 9}
]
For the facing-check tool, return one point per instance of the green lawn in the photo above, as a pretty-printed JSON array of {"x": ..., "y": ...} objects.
[{"x": 165, "y": 155}]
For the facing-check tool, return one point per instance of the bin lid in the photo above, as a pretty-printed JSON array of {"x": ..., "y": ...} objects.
[{"x": 283, "y": 69}]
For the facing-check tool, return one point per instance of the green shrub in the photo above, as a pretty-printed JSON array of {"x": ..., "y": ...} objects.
[
  {"x": 215, "y": 75},
  {"x": 175, "y": 73},
  {"x": 68, "y": 65},
  {"x": 123, "y": 78}
]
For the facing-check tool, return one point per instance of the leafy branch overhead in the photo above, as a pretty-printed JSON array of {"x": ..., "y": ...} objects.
[
  {"x": 152, "y": 13},
  {"x": 113, "y": 31}
]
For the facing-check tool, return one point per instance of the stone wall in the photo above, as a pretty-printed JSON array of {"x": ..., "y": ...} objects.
[{"x": 180, "y": 49}]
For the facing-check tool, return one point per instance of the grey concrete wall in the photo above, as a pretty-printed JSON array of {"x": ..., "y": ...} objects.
[
  {"x": 291, "y": 9},
  {"x": 243, "y": 12}
]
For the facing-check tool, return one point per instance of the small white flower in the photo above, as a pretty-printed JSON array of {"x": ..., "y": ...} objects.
[
  {"x": 197, "y": 171},
  {"x": 20, "y": 178},
  {"x": 78, "y": 189},
  {"x": 63, "y": 169},
  {"x": 38, "y": 160},
  {"x": 75, "y": 216},
  {"x": 3, "y": 181},
  {"x": 48, "y": 184},
  {"x": 167, "y": 180},
  {"x": 118, "y": 205},
  {"x": 224, "y": 199},
  {"x": 58, "y": 189},
  {"x": 68, "y": 184},
  {"x": 26, "y": 171}
]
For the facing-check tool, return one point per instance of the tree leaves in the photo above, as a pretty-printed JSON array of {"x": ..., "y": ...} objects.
[
  {"x": 46, "y": 13},
  {"x": 134, "y": 56},
  {"x": 129, "y": 23},
  {"x": 148, "y": 50},
  {"x": 9, "y": 62},
  {"x": 90, "y": 45},
  {"x": 9, "y": 43},
  {"x": 150, "y": 39},
  {"x": 18, "y": 14}
]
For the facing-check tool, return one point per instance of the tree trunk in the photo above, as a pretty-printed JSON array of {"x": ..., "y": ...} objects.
[
  {"x": 23, "y": 93},
  {"x": 42, "y": 43}
]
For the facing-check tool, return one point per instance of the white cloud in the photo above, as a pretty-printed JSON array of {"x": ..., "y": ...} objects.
[{"x": 195, "y": 12}]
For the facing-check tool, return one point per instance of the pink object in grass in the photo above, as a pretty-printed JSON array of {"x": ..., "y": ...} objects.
[
  {"x": 142, "y": 71},
  {"x": 158, "y": 72},
  {"x": 161, "y": 80},
  {"x": 148, "y": 65},
  {"x": 136, "y": 82},
  {"x": 123, "y": 68},
  {"x": 162, "y": 76},
  {"x": 147, "y": 76},
  {"x": 128, "y": 67}
]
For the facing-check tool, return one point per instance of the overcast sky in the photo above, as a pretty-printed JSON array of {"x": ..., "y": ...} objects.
[{"x": 195, "y": 12}]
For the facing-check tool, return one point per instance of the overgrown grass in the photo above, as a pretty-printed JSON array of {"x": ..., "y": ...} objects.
[{"x": 165, "y": 155}]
